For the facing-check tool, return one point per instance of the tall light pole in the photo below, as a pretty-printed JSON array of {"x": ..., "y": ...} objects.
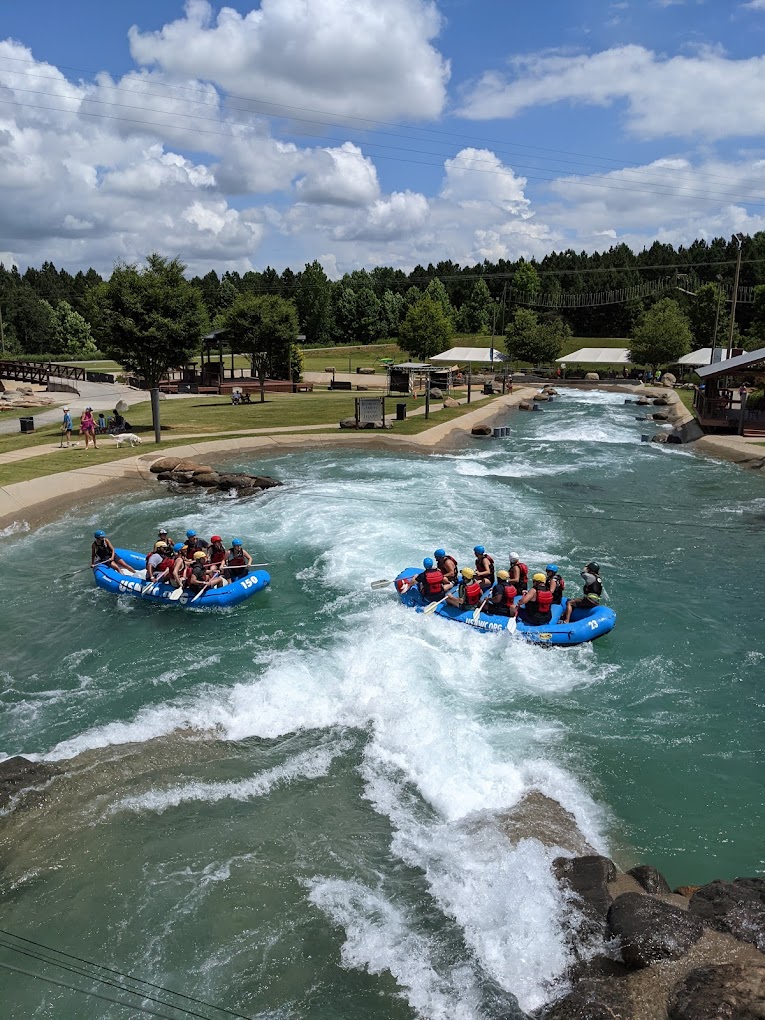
[
  {"x": 717, "y": 319},
  {"x": 740, "y": 239}
]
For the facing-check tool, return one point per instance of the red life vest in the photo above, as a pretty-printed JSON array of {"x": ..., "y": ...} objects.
[
  {"x": 508, "y": 594},
  {"x": 433, "y": 582},
  {"x": 543, "y": 601},
  {"x": 167, "y": 564},
  {"x": 472, "y": 593},
  {"x": 236, "y": 559},
  {"x": 479, "y": 565},
  {"x": 217, "y": 556},
  {"x": 524, "y": 575},
  {"x": 445, "y": 568}
]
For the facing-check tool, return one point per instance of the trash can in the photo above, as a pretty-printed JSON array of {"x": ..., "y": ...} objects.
[
  {"x": 400, "y": 412},
  {"x": 488, "y": 389},
  {"x": 27, "y": 424}
]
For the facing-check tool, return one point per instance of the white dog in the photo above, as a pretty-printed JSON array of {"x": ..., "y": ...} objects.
[{"x": 128, "y": 437}]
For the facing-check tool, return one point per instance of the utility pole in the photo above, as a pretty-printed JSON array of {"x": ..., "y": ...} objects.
[
  {"x": 717, "y": 319},
  {"x": 740, "y": 239},
  {"x": 2, "y": 335}
]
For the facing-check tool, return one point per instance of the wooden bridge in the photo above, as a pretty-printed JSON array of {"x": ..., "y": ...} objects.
[{"x": 41, "y": 372}]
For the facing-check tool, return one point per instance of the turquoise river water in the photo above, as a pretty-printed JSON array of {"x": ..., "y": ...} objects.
[{"x": 292, "y": 809}]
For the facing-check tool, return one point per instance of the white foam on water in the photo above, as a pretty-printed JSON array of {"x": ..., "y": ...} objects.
[
  {"x": 381, "y": 936},
  {"x": 308, "y": 765},
  {"x": 15, "y": 528}
]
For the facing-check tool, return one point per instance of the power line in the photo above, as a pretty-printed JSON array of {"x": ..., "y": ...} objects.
[
  {"x": 663, "y": 175},
  {"x": 362, "y": 122},
  {"x": 590, "y": 181},
  {"x": 49, "y": 955}
]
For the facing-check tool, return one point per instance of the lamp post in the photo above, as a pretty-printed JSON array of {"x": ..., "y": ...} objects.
[
  {"x": 717, "y": 319},
  {"x": 739, "y": 238}
]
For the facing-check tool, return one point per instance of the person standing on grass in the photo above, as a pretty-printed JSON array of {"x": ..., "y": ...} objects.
[
  {"x": 88, "y": 427},
  {"x": 66, "y": 426}
]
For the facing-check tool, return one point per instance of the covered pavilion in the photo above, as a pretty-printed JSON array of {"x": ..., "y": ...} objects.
[{"x": 721, "y": 399}]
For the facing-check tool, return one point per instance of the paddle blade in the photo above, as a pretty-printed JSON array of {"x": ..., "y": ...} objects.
[
  {"x": 478, "y": 610},
  {"x": 380, "y": 584},
  {"x": 432, "y": 607},
  {"x": 512, "y": 625},
  {"x": 175, "y": 595}
]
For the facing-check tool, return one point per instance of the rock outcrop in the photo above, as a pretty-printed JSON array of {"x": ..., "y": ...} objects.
[
  {"x": 737, "y": 908},
  {"x": 18, "y": 776},
  {"x": 726, "y": 992},
  {"x": 650, "y": 930},
  {"x": 181, "y": 471}
]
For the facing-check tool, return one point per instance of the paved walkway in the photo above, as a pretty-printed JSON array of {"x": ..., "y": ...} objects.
[
  {"x": 57, "y": 489},
  {"x": 99, "y": 396},
  {"x": 27, "y": 452}
]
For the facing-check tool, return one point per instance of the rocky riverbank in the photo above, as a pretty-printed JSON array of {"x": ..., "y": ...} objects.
[
  {"x": 184, "y": 473},
  {"x": 644, "y": 952}
]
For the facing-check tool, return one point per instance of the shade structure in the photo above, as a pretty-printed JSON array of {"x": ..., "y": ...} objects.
[
  {"x": 486, "y": 355},
  {"x": 703, "y": 356},
  {"x": 748, "y": 361},
  {"x": 597, "y": 356}
]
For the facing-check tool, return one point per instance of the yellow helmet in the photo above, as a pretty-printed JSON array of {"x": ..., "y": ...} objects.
[
  {"x": 200, "y": 555},
  {"x": 468, "y": 573},
  {"x": 160, "y": 545},
  {"x": 503, "y": 575},
  {"x": 539, "y": 577}
]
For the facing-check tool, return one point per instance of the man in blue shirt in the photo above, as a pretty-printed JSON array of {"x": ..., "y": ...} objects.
[{"x": 66, "y": 426}]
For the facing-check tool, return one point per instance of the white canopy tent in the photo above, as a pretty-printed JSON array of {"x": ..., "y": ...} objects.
[
  {"x": 483, "y": 355},
  {"x": 703, "y": 356},
  {"x": 597, "y": 356}
]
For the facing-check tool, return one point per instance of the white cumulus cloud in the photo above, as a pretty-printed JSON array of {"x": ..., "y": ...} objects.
[
  {"x": 355, "y": 58},
  {"x": 706, "y": 95}
]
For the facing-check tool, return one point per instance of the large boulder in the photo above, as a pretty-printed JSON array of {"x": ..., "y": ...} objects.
[
  {"x": 592, "y": 999},
  {"x": 436, "y": 393},
  {"x": 347, "y": 423},
  {"x": 208, "y": 481},
  {"x": 19, "y": 774},
  {"x": 650, "y": 930},
  {"x": 165, "y": 464},
  {"x": 592, "y": 377},
  {"x": 588, "y": 878},
  {"x": 668, "y": 380},
  {"x": 660, "y": 416},
  {"x": 525, "y": 405},
  {"x": 651, "y": 880},
  {"x": 451, "y": 402},
  {"x": 736, "y": 907},
  {"x": 481, "y": 430},
  {"x": 729, "y": 991}
]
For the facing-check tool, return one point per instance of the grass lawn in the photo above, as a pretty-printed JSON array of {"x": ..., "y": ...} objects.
[
  {"x": 24, "y": 412},
  {"x": 208, "y": 417},
  {"x": 687, "y": 397}
]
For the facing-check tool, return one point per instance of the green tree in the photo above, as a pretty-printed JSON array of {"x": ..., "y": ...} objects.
[
  {"x": 153, "y": 321},
  {"x": 754, "y": 337},
  {"x": 534, "y": 341},
  {"x": 525, "y": 284},
  {"x": 703, "y": 315},
  {"x": 477, "y": 312},
  {"x": 425, "y": 330},
  {"x": 313, "y": 297},
  {"x": 264, "y": 327},
  {"x": 72, "y": 332},
  {"x": 437, "y": 292},
  {"x": 391, "y": 310},
  {"x": 661, "y": 336}
]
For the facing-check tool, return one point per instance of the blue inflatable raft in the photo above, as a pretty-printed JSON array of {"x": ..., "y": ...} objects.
[
  {"x": 585, "y": 625},
  {"x": 126, "y": 584}
]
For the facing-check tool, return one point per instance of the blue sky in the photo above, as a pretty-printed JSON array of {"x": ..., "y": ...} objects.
[{"x": 360, "y": 132}]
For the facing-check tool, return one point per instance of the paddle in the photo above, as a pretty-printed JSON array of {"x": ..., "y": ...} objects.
[
  {"x": 175, "y": 594},
  {"x": 203, "y": 590},
  {"x": 376, "y": 585},
  {"x": 479, "y": 609},
  {"x": 433, "y": 606},
  {"x": 154, "y": 580},
  {"x": 71, "y": 573}
]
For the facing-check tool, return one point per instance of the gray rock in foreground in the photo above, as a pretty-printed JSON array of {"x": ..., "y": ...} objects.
[
  {"x": 650, "y": 930},
  {"x": 592, "y": 999},
  {"x": 651, "y": 880},
  {"x": 19, "y": 774},
  {"x": 726, "y": 992},
  {"x": 737, "y": 908}
]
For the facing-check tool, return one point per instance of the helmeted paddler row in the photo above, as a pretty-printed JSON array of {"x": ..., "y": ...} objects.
[{"x": 497, "y": 591}]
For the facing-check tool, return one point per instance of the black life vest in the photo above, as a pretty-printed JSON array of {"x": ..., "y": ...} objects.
[
  {"x": 559, "y": 588},
  {"x": 101, "y": 551},
  {"x": 443, "y": 566},
  {"x": 236, "y": 559},
  {"x": 472, "y": 593},
  {"x": 432, "y": 582},
  {"x": 594, "y": 588}
]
